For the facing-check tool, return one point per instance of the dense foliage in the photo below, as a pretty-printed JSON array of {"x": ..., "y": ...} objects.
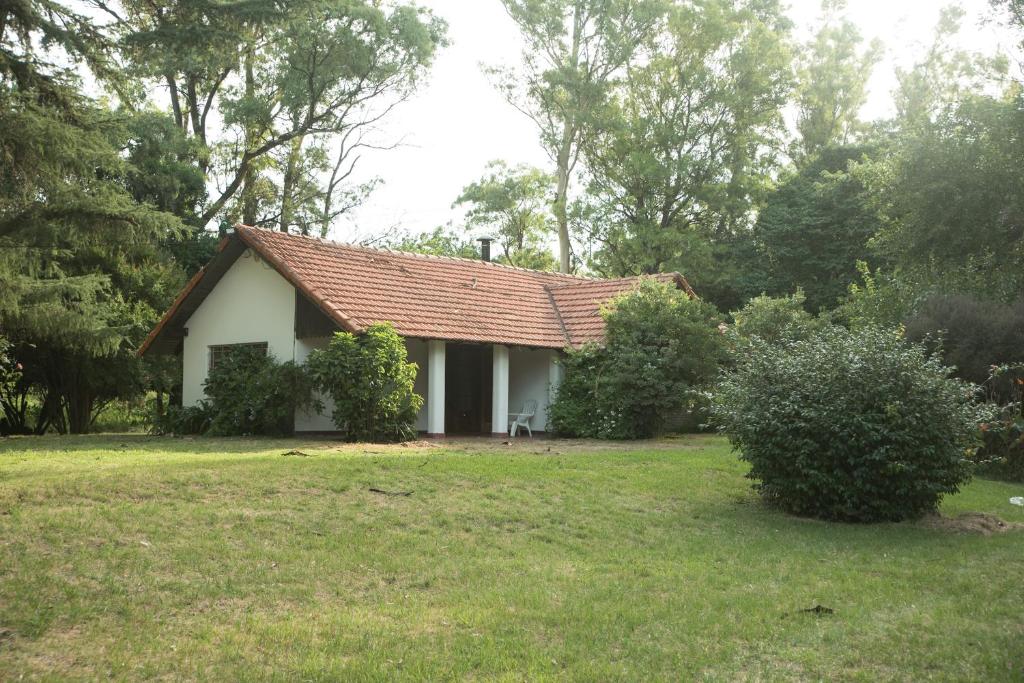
[
  {"x": 973, "y": 335},
  {"x": 82, "y": 268},
  {"x": 680, "y": 155},
  {"x": 952, "y": 197},
  {"x": 815, "y": 227},
  {"x": 981, "y": 340},
  {"x": 249, "y": 392},
  {"x": 661, "y": 345},
  {"x": 663, "y": 120},
  {"x": 774, "y": 320},
  {"x": 370, "y": 382},
  {"x": 511, "y": 202},
  {"x": 1002, "y": 455},
  {"x": 855, "y": 426},
  {"x": 182, "y": 420}
]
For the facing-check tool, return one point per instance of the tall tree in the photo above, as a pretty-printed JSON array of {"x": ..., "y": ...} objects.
[
  {"x": 573, "y": 50},
  {"x": 949, "y": 189},
  {"x": 80, "y": 259},
  {"x": 832, "y": 72},
  {"x": 942, "y": 76},
  {"x": 952, "y": 199},
  {"x": 278, "y": 78},
  {"x": 511, "y": 203},
  {"x": 816, "y": 226},
  {"x": 688, "y": 138},
  {"x": 1013, "y": 12}
]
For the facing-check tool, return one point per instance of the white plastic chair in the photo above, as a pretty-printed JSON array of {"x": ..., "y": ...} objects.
[{"x": 522, "y": 419}]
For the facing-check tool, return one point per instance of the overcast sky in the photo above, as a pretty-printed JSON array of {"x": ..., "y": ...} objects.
[{"x": 457, "y": 122}]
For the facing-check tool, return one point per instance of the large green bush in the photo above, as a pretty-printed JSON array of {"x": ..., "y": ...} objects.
[
  {"x": 661, "y": 345},
  {"x": 775, "y": 319},
  {"x": 856, "y": 426},
  {"x": 249, "y": 392},
  {"x": 371, "y": 383}
]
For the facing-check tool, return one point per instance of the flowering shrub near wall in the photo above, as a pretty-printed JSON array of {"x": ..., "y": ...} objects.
[{"x": 371, "y": 382}]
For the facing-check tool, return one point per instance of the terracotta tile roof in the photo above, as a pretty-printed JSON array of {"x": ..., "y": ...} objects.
[{"x": 437, "y": 297}]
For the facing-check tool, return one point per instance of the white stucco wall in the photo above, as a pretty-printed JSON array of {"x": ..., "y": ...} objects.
[
  {"x": 306, "y": 421},
  {"x": 250, "y": 304},
  {"x": 529, "y": 378}
]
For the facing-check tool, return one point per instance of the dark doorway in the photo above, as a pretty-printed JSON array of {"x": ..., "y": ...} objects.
[{"x": 467, "y": 389}]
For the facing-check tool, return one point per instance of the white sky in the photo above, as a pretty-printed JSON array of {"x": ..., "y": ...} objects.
[{"x": 457, "y": 122}]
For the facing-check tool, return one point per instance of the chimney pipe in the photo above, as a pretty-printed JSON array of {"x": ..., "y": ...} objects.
[{"x": 485, "y": 248}]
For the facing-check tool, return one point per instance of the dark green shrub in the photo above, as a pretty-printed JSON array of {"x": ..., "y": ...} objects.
[
  {"x": 775, "y": 319},
  {"x": 371, "y": 384},
  {"x": 251, "y": 393},
  {"x": 572, "y": 412},
  {"x": 975, "y": 335},
  {"x": 181, "y": 421},
  {"x": 11, "y": 401},
  {"x": 1002, "y": 455},
  {"x": 850, "y": 425},
  {"x": 661, "y": 346}
]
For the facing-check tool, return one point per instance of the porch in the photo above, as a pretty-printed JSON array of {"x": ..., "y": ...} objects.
[{"x": 468, "y": 389}]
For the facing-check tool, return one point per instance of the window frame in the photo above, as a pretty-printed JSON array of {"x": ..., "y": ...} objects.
[{"x": 216, "y": 351}]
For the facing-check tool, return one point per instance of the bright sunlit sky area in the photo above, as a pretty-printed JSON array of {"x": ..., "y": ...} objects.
[{"x": 457, "y": 122}]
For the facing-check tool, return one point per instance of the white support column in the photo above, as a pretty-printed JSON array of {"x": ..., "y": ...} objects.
[
  {"x": 435, "y": 387},
  {"x": 499, "y": 391},
  {"x": 554, "y": 375},
  {"x": 555, "y": 371}
]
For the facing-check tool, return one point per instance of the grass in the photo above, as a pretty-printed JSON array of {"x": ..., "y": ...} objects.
[{"x": 137, "y": 557}]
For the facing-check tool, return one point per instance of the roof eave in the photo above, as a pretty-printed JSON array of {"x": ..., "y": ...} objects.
[{"x": 175, "y": 307}]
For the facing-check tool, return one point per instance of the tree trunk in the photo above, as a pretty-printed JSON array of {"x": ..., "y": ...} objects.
[
  {"x": 560, "y": 206},
  {"x": 79, "y": 408},
  {"x": 565, "y": 151},
  {"x": 291, "y": 173},
  {"x": 172, "y": 87},
  {"x": 249, "y": 206},
  {"x": 50, "y": 413}
]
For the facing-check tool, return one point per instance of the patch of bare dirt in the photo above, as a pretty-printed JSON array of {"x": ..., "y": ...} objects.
[{"x": 970, "y": 523}]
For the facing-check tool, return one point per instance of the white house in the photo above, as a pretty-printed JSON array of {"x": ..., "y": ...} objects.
[{"x": 487, "y": 337}]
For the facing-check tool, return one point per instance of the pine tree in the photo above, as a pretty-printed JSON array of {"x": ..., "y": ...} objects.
[{"x": 81, "y": 270}]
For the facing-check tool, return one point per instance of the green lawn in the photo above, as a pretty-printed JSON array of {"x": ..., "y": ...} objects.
[{"x": 131, "y": 557}]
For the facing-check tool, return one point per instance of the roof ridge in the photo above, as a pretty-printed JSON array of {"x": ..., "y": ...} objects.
[{"x": 439, "y": 257}]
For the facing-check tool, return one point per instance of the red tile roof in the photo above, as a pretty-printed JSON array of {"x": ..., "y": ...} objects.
[{"x": 437, "y": 297}]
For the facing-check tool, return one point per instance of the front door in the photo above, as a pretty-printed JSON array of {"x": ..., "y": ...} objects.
[{"x": 467, "y": 389}]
